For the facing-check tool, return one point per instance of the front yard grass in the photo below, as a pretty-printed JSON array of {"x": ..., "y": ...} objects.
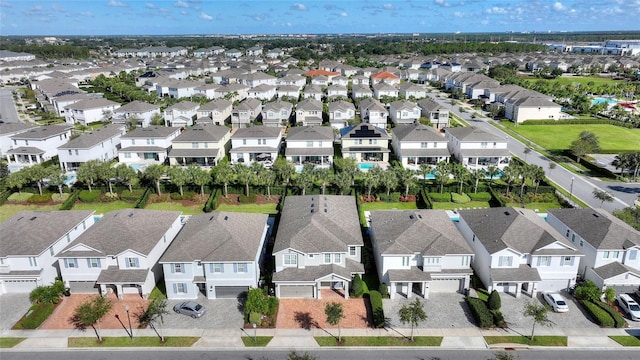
[
  {"x": 542, "y": 207},
  {"x": 381, "y": 205},
  {"x": 37, "y": 314},
  {"x": 176, "y": 206},
  {"x": 452, "y": 205},
  {"x": 103, "y": 207},
  {"x": 379, "y": 341},
  {"x": 260, "y": 341},
  {"x": 7, "y": 210},
  {"x": 20, "y": 196},
  {"x": 625, "y": 340},
  {"x": 250, "y": 208},
  {"x": 524, "y": 340},
  {"x": 9, "y": 342},
  {"x": 125, "y": 341}
]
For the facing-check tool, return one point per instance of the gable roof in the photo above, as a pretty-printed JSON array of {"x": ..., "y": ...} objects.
[
  {"x": 92, "y": 103},
  {"x": 43, "y": 132},
  {"x": 417, "y": 132},
  {"x": 90, "y": 139},
  {"x": 217, "y": 104},
  {"x": 429, "y": 104},
  {"x": 152, "y": 132},
  {"x": 136, "y": 107},
  {"x": 257, "y": 132},
  {"x": 613, "y": 269},
  {"x": 203, "y": 132},
  {"x": 472, "y": 133},
  {"x": 318, "y": 223},
  {"x": 364, "y": 131},
  {"x": 384, "y": 75},
  {"x": 219, "y": 236}
]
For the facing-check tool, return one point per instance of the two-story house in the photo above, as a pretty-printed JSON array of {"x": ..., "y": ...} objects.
[
  {"x": 516, "y": 251},
  {"x": 340, "y": 113},
  {"x": 310, "y": 144},
  {"x": 36, "y": 145},
  {"x": 609, "y": 245},
  {"x": 383, "y": 89},
  {"x": 146, "y": 146},
  {"x": 120, "y": 253},
  {"x": 100, "y": 144},
  {"x": 256, "y": 143},
  {"x": 318, "y": 246},
  {"x": 364, "y": 143},
  {"x": 262, "y": 92},
  {"x": 7, "y": 130},
  {"x": 404, "y": 112},
  {"x": 309, "y": 112},
  {"x": 412, "y": 91},
  {"x": 201, "y": 145},
  {"x": 142, "y": 112},
  {"x": 277, "y": 113},
  {"x": 181, "y": 114},
  {"x": 373, "y": 112},
  {"x": 90, "y": 110},
  {"x": 218, "y": 255},
  {"x": 359, "y": 91},
  {"x": 246, "y": 112},
  {"x": 216, "y": 112},
  {"x": 476, "y": 148},
  {"x": 385, "y": 77},
  {"x": 437, "y": 114},
  {"x": 419, "y": 251},
  {"x": 337, "y": 91},
  {"x": 417, "y": 144},
  {"x": 313, "y": 92},
  {"x": 28, "y": 243}
]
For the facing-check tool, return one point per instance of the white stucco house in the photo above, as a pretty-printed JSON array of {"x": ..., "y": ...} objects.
[
  {"x": 256, "y": 143},
  {"x": 181, "y": 114},
  {"x": 417, "y": 144},
  {"x": 202, "y": 145},
  {"x": 310, "y": 144},
  {"x": 476, "y": 148},
  {"x": 100, "y": 144},
  {"x": 91, "y": 110},
  {"x": 146, "y": 146},
  {"x": 36, "y": 145},
  {"x": 142, "y": 111},
  {"x": 373, "y": 112},
  {"x": 403, "y": 112}
]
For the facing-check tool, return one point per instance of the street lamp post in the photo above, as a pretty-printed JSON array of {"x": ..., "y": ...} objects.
[
  {"x": 255, "y": 333},
  {"x": 571, "y": 190},
  {"x": 126, "y": 308}
]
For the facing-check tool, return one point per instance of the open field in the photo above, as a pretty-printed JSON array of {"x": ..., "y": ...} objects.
[{"x": 583, "y": 80}]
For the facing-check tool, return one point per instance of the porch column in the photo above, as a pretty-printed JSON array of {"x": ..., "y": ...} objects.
[
  {"x": 346, "y": 289},
  {"x": 425, "y": 293},
  {"x": 466, "y": 284},
  {"x": 518, "y": 289},
  {"x": 119, "y": 291},
  {"x": 317, "y": 290},
  {"x": 103, "y": 290},
  {"x": 392, "y": 290},
  {"x": 409, "y": 289}
]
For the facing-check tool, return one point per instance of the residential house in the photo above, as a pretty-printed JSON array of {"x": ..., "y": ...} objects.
[
  {"x": 262, "y": 92},
  {"x": 91, "y": 110},
  {"x": 36, "y": 145},
  {"x": 288, "y": 91},
  {"x": 146, "y": 146},
  {"x": 233, "y": 53},
  {"x": 254, "y": 51},
  {"x": 318, "y": 246},
  {"x": 516, "y": 251},
  {"x": 216, "y": 112},
  {"x": 412, "y": 91},
  {"x": 383, "y": 89},
  {"x": 533, "y": 108},
  {"x": 417, "y": 144},
  {"x": 120, "y": 253},
  {"x": 140, "y": 112},
  {"x": 310, "y": 144},
  {"x": 360, "y": 80},
  {"x": 610, "y": 246},
  {"x": 386, "y": 77},
  {"x": 233, "y": 92},
  {"x": 210, "y": 91},
  {"x": 277, "y": 113},
  {"x": 404, "y": 112},
  {"x": 309, "y": 112},
  {"x": 257, "y": 78},
  {"x": 7, "y": 130},
  {"x": 340, "y": 113},
  {"x": 365, "y": 142},
  {"x": 373, "y": 112},
  {"x": 256, "y": 143},
  {"x": 201, "y": 145},
  {"x": 181, "y": 114},
  {"x": 246, "y": 112},
  {"x": 292, "y": 80},
  {"x": 60, "y": 103},
  {"x": 274, "y": 53},
  {"x": 218, "y": 255},
  {"x": 312, "y": 91},
  {"x": 336, "y": 91},
  {"x": 29, "y": 241},
  {"x": 360, "y": 91},
  {"x": 477, "y": 149},
  {"x": 100, "y": 144},
  {"x": 437, "y": 114},
  {"x": 419, "y": 252}
]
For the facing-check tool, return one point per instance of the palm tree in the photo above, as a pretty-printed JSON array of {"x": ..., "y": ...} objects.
[
  {"x": 508, "y": 175},
  {"x": 284, "y": 169},
  {"x": 524, "y": 172},
  {"x": 372, "y": 179},
  {"x": 348, "y": 166},
  {"x": 602, "y": 196},
  {"x": 492, "y": 171},
  {"x": 621, "y": 161},
  {"x": 477, "y": 175},
  {"x": 179, "y": 177},
  {"x": 537, "y": 175},
  {"x": 343, "y": 181},
  {"x": 425, "y": 169},
  {"x": 223, "y": 174},
  {"x": 460, "y": 174},
  {"x": 126, "y": 173},
  {"x": 154, "y": 173},
  {"x": 199, "y": 177},
  {"x": 259, "y": 170},
  {"x": 406, "y": 177},
  {"x": 443, "y": 170},
  {"x": 244, "y": 175},
  {"x": 389, "y": 180},
  {"x": 324, "y": 175},
  {"x": 269, "y": 178},
  {"x": 304, "y": 180}
]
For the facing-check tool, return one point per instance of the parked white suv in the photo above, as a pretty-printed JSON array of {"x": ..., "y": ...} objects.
[
  {"x": 629, "y": 306},
  {"x": 556, "y": 301}
]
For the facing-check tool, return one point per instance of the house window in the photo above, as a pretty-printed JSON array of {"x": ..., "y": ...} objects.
[
  {"x": 319, "y": 143},
  {"x": 309, "y": 143},
  {"x": 71, "y": 263},
  {"x": 567, "y": 261},
  {"x": 581, "y": 242},
  {"x": 337, "y": 258},
  {"x": 373, "y": 142},
  {"x": 405, "y": 261},
  {"x": 483, "y": 145},
  {"x": 567, "y": 234},
  {"x": 424, "y": 145},
  {"x": 359, "y": 142},
  {"x": 262, "y": 141},
  {"x": 180, "y": 288},
  {"x": 69, "y": 152},
  {"x": 327, "y": 258},
  {"x": 217, "y": 268},
  {"x": 77, "y": 152},
  {"x": 177, "y": 269},
  {"x": 352, "y": 250},
  {"x": 84, "y": 225},
  {"x": 465, "y": 260},
  {"x": 33, "y": 261},
  {"x": 433, "y": 260},
  {"x": 544, "y": 260},
  {"x": 240, "y": 268},
  {"x": 573, "y": 238},
  {"x": 133, "y": 141},
  {"x": 505, "y": 261},
  {"x": 93, "y": 263},
  {"x": 151, "y": 141},
  {"x": 132, "y": 262},
  {"x": 606, "y": 254},
  {"x": 68, "y": 238},
  {"x": 616, "y": 254},
  {"x": 290, "y": 259},
  {"x": 127, "y": 155},
  {"x": 633, "y": 254},
  {"x": 244, "y": 141},
  {"x": 194, "y": 145}
]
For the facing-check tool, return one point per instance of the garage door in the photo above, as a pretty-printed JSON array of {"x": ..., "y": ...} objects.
[
  {"x": 445, "y": 285},
  {"x": 83, "y": 287},
  {"x": 553, "y": 285},
  {"x": 296, "y": 291},
  {"x": 231, "y": 292},
  {"x": 624, "y": 289},
  {"x": 19, "y": 286}
]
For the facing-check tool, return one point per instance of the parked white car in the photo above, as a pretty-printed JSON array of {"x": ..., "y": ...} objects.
[
  {"x": 630, "y": 306},
  {"x": 556, "y": 301}
]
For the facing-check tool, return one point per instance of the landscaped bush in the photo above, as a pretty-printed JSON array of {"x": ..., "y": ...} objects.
[
  {"x": 68, "y": 204},
  {"x": 142, "y": 202},
  {"x": 255, "y": 318},
  {"x": 599, "y": 314},
  {"x": 494, "y": 301},
  {"x": 541, "y": 197},
  {"x": 384, "y": 290},
  {"x": 480, "y": 312},
  {"x": 212, "y": 201},
  {"x": 39, "y": 313},
  {"x": 460, "y": 198},
  {"x": 498, "y": 319},
  {"x": 89, "y": 196},
  {"x": 60, "y": 198},
  {"x": 437, "y": 197},
  {"x": 496, "y": 199},
  {"x": 480, "y": 196},
  {"x": 21, "y": 196},
  {"x": 393, "y": 197},
  {"x": 131, "y": 196},
  {"x": 375, "y": 298},
  {"x": 358, "y": 286},
  {"x": 39, "y": 199},
  {"x": 243, "y": 199},
  {"x": 4, "y": 196},
  {"x": 187, "y": 195},
  {"x": 618, "y": 320}
]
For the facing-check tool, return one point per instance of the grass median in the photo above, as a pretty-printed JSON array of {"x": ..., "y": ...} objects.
[
  {"x": 125, "y": 341},
  {"x": 379, "y": 341},
  {"x": 9, "y": 342},
  {"x": 625, "y": 340},
  {"x": 525, "y": 340},
  {"x": 258, "y": 341}
]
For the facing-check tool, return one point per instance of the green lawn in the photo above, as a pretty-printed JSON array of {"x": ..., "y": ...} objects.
[
  {"x": 176, "y": 206},
  {"x": 103, "y": 208},
  {"x": 559, "y": 137},
  {"x": 250, "y": 208},
  {"x": 542, "y": 207},
  {"x": 524, "y": 340},
  {"x": 125, "y": 341},
  {"x": 451, "y": 206},
  {"x": 7, "y": 210},
  {"x": 625, "y": 340},
  {"x": 379, "y": 341},
  {"x": 10, "y": 342},
  {"x": 20, "y": 196},
  {"x": 387, "y": 206},
  {"x": 582, "y": 80},
  {"x": 260, "y": 341}
]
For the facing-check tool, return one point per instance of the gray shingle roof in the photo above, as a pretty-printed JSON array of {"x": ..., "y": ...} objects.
[
  {"x": 219, "y": 236},
  {"x": 32, "y": 232},
  {"x": 90, "y": 139},
  {"x": 114, "y": 275},
  {"x": 417, "y": 132},
  {"x": 470, "y": 133},
  {"x": 152, "y": 132},
  {"x": 8, "y": 128},
  {"x": 318, "y": 223},
  {"x": 203, "y": 133},
  {"x": 614, "y": 269},
  {"x": 91, "y": 103},
  {"x": 313, "y": 273},
  {"x": 43, "y": 132},
  {"x": 302, "y": 133},
  {"x": 257, "y": 132},
  {"x": 413, "y": 274},
  {"x": 519, "y": 274},
  {"x": 136, "y": 107},
  {"x": 212, "y": 153}
]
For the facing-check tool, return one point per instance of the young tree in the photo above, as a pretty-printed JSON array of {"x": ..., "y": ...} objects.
[
  {"x": 406, "y": 177},
  {"x": 538, "y": 313},
  {"x": 343, "y": 181},
  {"x": 37, "y": 173},
  {"x": 154, "y": 173},
  {"x": 304, "y": 180},
  {"x": 199, "y": 177},
  {"x": 389, "y": 180},
  {"x": 244, "y": 176},
  {"x": 223, "y": 174},
  {"x": 335, "y": 314},
  {"x": 105, "y": 172},
  {"x": 153, "y": 314},
  {"x": 126, "y": 173},
  {"x": 179, "y": 177},
  {"x": 16, "y": 180},
  {"x": 602, "y": 196},
  {"x": 87, "y": 173},
  {"x": 443, "y": 170},
  {"x": 492, "y": 171},
  {"x": 412, "y": 313},
  {"x": 372, "y": 179},
  {"x": 537, "y": 175},
  {"x": 90, "y": 312},
  {"x": 56, "y": 177},
  {"x": 157, "y": 119},
  {"x": 259, "y": 170},
  {"x": 256, "y": 302},
  {"x": 587, "y": 143},
  {"x": 325, "y": 176},
  {"x": 477, "y": 175},
  {"x": 460, "y": 174}
]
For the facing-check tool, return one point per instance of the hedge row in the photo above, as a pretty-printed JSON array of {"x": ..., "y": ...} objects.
[
  {"x": 375, "y": 298},
  {"x": 618, "y": 320},
  {"x": 187, "y": 195},
  {"x": 392, "y": 197},
  {"x": 599, "y": 314},
  {"x": 71, "y": 200},
  {"x": 244, "y": 199},
  {"x": 89, "y": 196},
  {"x": 480, "y": 196},
  {"x": 480, "y": 312},
  {"x": 142, "y": 202},
  {"x": 39, "y": 199},
  {"x": 212, "y": 201},
  {"x": 4, "y": 196},
  {"x": 437, "y": 197},
  {"x": 578, "y": 122},
  {"x": 424, "y": 201},
  {"x": 496, "y": 199},
  {"x": 460, "y": 198},
  {"x": 131, "y": 196}
]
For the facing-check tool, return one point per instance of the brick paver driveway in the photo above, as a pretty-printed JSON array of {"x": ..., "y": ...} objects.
[{"x": 309, "y": 313}]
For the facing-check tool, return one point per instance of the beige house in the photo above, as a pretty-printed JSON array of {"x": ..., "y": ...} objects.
[
  {"x": 202, "y": 145},
  {"x": 365, "y": 143}
]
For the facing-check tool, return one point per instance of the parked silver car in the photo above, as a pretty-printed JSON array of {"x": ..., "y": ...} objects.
[
  {"x": 190, "y": 308},
  {"x": 629, "y": 306},
  {"x": 557, "y": 302}
]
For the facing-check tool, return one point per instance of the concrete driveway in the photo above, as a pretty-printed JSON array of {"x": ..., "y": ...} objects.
[
  {"x": 12, "y": 308},
  {"x": 221, "y": 314},
  {"x": 443, "y": 310}
]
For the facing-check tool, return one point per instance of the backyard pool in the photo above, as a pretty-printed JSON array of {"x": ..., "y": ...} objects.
[
  {"x": 600, "y": 100},
  {"x": 366, "y": 166}
]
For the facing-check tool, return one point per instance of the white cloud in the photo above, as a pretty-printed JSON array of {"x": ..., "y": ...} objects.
[
  {"x": 204, "y": 16},
  {"x": 115, "y": 3},
  {"x": 86, "y": 13},
  {"x": 344, "y": 14},
  {"x": 183, "y": 12},
  {"x": 299, "y": 7},
  {"x": 5, "y": 4},
  {"x": 496, "y": 10},
  {"x": 181, "y": 4},
  {"x": 388, "y": 6},
  {"x": 557, "y": 6},
  {"x": 150, "y": 6},
  {"x": 56, "y": 7},
  {"x": 442, "y": 3},
  {"x": 459, "y": 14}
]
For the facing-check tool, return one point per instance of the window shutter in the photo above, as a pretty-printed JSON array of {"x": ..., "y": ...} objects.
[
  {"x": 66, "y": 263},
  {"x": 235, "y": 268},
  {"x": 175, "y": 288},
  {"x": 173, "y": 268},
  {"x": 539, "y": 260},
  {"x": 126, "y": 261},
  {"x": 573, "y": 257},
  {"x": 89, "y": 263}
]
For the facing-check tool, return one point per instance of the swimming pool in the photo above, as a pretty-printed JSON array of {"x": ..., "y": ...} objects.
[
  {"x": 601, "y": 100},
  {"x": 366, "y": 166}
]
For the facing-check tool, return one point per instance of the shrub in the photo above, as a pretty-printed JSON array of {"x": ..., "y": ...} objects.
[
  {"x": 212, "y": 201},
  {"x": 68, "y": 204},
  {"x": 494, "y": 301},
  {"x": 436, "y": 197},
  {"x": 39, "y": 199},
  {"x": 375, "y": 298},
  {"x": 599, "y": 314},
  {"x": 243, "y": 199},
  {"x": 480, "y": 312},
  {"x": 498, "y": 319},
  {"x": 255, "y": 318},
  {"x": 4, "y": 196},
  {"x": 142, "y": 202},
  {"x": 60, "y": 198},
  {"x": 480, "y": 196},
  {"x": 176, "y": 196},
  {"x": 588, "y": 291},
  {"x": 357, "y": 287},
  {"x": 273, "y": 303},
  {"x": 131, "y": 196},
  {"x": 496, "y": 199},
  {"x": 384, "y": 290},
  {"x": 392, "y": 197},
  {"x": 89, "y": 196},
  {"x": 618, "y": 320},
  {"x": 39, "y": 313},
  {"x": 460, "y": 198}
]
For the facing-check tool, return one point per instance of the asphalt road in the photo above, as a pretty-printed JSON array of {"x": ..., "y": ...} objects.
[
  {"x": 342, "y": 354},
  {"x": 7, "y": 107},
  {"x": 578, "y": 186}
]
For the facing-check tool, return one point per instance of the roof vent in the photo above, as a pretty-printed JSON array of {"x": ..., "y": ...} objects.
[
  {"x": 211, "y": 218},
  {"x": 130, "y": 215},
  {"x": 33, "y": 218},
  {"x": 325, "y": 210},
  {"x": 226, "y": 218},
  {"x": 596, "y": 215},
  {"x": 312, "y": 211},
  {"x": 419, "y": 216},
  {"x": 507, "y": 213},
  {"x": 411, "y": 217}
]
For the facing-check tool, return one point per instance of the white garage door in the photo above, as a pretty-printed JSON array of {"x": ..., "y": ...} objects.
[
  {"x": 231, "y": 292},
  {"x": 445, "y": 285},
  {"x": 553, "y": 285},
  {"x": 84, "y": 287},
  {"x": 19, "y": 286},
  {"x": 296, "y": 291}
]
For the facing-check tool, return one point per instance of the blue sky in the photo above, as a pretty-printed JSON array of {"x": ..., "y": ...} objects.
[{"x": 175, "y": 17}]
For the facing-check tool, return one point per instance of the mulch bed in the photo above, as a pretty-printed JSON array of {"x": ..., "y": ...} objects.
[{"x": 233, "y": 199}]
